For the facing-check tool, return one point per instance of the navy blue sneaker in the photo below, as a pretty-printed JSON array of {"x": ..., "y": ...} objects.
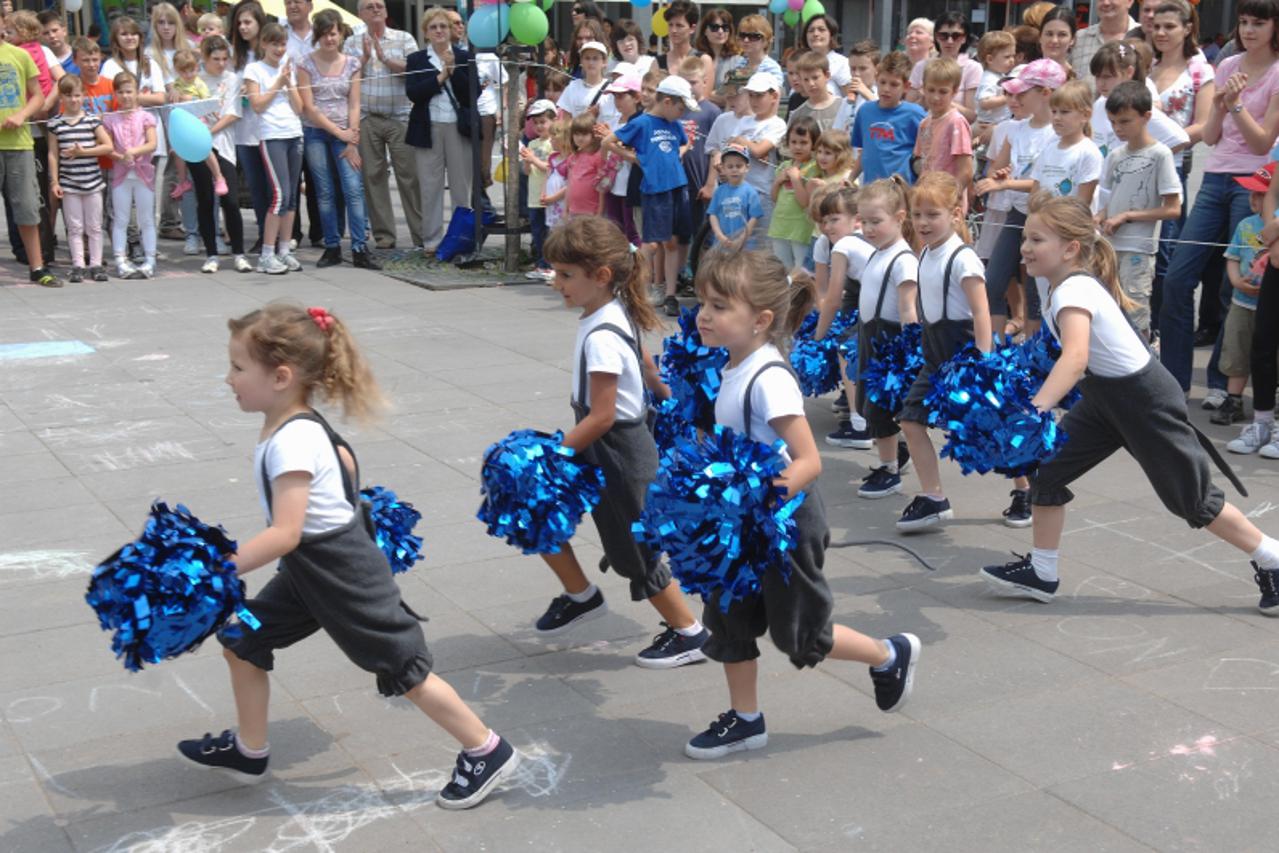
[
  {"x": 846, "y": 436},
  {"x": 671, "y": 649},
  {"x": 475, "y": 778},
  {"x": 1019, "y": 578},
  {"x": 1018, "y": 512},
  {"x": 563, "y": 613},
  {"x": 893, "y": 685},
  {"x": 730, "y": 733},
  {"x": 1268, "y": 582},
  {"x": 924, "y": 512},
  {"x": 221, "y": 753},
  {"x": 880, "y": 483}
]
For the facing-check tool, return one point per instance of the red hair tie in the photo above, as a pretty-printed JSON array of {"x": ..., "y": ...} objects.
[{"x": 322, "y": 318}]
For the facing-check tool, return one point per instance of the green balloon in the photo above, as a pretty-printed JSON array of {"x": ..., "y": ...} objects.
[
  {"x": 528, "y": 23},
  {"x": 811, "y": 8},
  {"x": 548, "y": 4},
  {"x": 791, "y": 17}
]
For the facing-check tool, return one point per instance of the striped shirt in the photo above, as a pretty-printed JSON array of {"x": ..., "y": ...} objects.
[
  {"x": 77, "y": 174},
  {"x": 381, "y": 92}
]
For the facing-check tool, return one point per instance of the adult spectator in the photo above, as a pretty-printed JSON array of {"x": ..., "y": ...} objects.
[
  {"x": 628, "y": 46},
  {"x": 756, "y": 34},
  {"x": 587, "y": 31},
  {"x": 951, "y": 33},
  {"x": 716, "y": 38},
  {"x": 1035, "y": 12},
  {"x": 821, "y": 36},
  {"x": 457, "y": 28},
  {"x": 384, "y": 115},
  {"x": 584, "y": 10},
  {"x": 681, "y": 23},
  {"x": 1113, "y": 23},
  {"x": 918, "y": 40},
  {"x": 439, "y": 86},
  {"x": 1145, "y": 29},
  {"x": 1057, "y": 37}
]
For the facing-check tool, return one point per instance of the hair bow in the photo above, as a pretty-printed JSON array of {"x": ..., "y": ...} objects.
[{"x": 322, "y": 318}]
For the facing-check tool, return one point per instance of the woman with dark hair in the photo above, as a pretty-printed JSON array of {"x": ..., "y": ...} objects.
[
  {"x": 628, "y": 46},
  {"x": 950, "y": 32},
  {"x": 1057, "y": 37},
  {"x": 584, "y": 10},
  {"x": 716, "y": 39},
  {"x": 821, "y": 36},
  {"x": 588, "y": 30}
]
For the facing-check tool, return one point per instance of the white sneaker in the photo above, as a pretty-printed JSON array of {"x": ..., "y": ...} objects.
[
  {"x": 291, "y": 262},
  {"x": 192, "y": 245},
  {"x": 272, "y": 265},
  {"x": 1253, "y": 437},
  {"x": 242, "y": 264},
  {"x": 293, "y": 245},
  {"x": 210, "y": 265},
  {"x": 1271, "y": 450},
  {"x": 125, "y": 269},
  {"x": 1214, "y": 399},
  {"x": 147, "y": 269}
]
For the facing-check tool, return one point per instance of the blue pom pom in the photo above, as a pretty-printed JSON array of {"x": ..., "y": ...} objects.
[
  {"x": 668, "y": 424},
  {"x": 848, "y": 347},
  {"x": 692, "y": 371},
  {"x": 893, "y": 366},
  {"x": 714, "y": 510},
  {"x": 1035, "y": 357},
  {"x": 393, "y": 523},
  {"x": 534, "y": 492},
  {"x": 169, "y": 589},
  {"x": 816, "y": 363}
]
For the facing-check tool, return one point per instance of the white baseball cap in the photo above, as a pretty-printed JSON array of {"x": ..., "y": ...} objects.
[
  {"x": 593, "y": 45},
  {"x": 678, "y": 87},
  {"x": 762, "y": 81},
  {"x": 541, "y": 107}
]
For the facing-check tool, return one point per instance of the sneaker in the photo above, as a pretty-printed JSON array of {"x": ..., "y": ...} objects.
[
  {"x": 124, "y": 268},
  {"x": 893, "y": 685},
  {"x": 293, "y": 245},
  {"x": 1252, "y": 438},
  {"x": 147, "y": 270},
  {"x": 210, "y": 265},
  {"x": 364, "y": 260},
  {"x": 534, "y": 275},
  {"x": 840, "y": 404},
  {"x": 1271, "y": 450},
  {"x": 1214, "y": 398},
  {"x": 331, "y": 257},
  {"x": 242, "y": 264},
  {"x": 1268, "y": 582},
  {"x": 76, "y": 276},
  {"x": 180, "y": 189},
  {"x": 846, "y": 436},
  {"x": 220, "y": 187},
  {"x": 291, "y": 263},
  {"x": 1019, "y": 578},
  {"x": 729, "y": 733},
  {"x": 99, "y": 274},
  {"x": 1229, "y": 412},
  {"x": 880, "y": 483},
  {"x": 475, "y": 777},
  {"x": 1018, "y": 512},
  {"x": 221, "y": 753},
  {"x": 193, "y": 245},
  {"x": 563, "y": 613},
  {"x": 671, "y": 649},
  {"x": 924, "y": 512},
  {"x": 671, "y": 306},
  {"x": 272, "y": 265}
]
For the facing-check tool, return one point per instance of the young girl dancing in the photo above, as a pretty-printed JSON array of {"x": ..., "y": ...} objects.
[
  {"x": 332, "y": 576},
  {"x": 1129, "y": 401},
  {"x": 751, "y": 307},
  {"x": 77, "y": 140},
  {"x": 133, "y": 136},
  {"x": 597, "y": 273}
]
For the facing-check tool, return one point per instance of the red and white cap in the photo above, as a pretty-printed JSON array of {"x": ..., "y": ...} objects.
[{"x": 1258, "y": 181}]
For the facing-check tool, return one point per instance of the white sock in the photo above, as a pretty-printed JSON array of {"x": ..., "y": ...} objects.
[
  {"x": 1044, "y": 562},
  {"x": 267, "y": 252},
  {"x": 1267, "y": 418},
  {"x": 251, "y": 753},
  {"x": 691, "y": 631},
  {"x": 891, "y": 465},
  {"x": 282, "y": 249},
  {"x": 583, "y": 596},
  {"x": 748, "y": 718},
  {"x": 892, "y": 658},
  {"x": 1267, "y": 554},
  {"x": 857, "y": 420}
]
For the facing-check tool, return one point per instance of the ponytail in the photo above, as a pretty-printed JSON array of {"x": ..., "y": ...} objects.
[
  {"x": 803, "y": 298},
  {"x": 347, "y": 378},
  {"x": 1071, "y": 220},
  {"x": 908, "y": 227},
  {"x": 1105, "y": 266}
]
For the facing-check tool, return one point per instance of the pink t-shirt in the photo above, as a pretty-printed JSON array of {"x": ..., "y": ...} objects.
[
  {"x": 940, "y": 141},
  {"x": 129, "y": 130},
  {"x": 970, "y": 70},
  {"x": 585, "y": 170},
  {"x": 1231, "y": 154}
]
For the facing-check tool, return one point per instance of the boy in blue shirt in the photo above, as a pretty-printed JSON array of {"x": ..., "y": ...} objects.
[
  {"x": 735, "y": 208},
  {"x": 884, "y": 131},
  {"x": 656, "y": 141}
]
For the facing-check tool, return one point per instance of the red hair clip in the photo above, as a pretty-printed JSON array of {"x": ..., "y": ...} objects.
[{"x": 322, "y": 318}]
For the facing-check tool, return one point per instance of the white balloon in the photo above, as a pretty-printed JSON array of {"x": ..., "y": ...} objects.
[{"x": 72, "y": 5}]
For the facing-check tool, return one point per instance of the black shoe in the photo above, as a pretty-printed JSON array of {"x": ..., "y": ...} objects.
[
  {"x": 1018, "y": 512},
  {"x": 135, "y": 254},
  {"x": 671, "y": 649},
  {"x": 44, "y": 278},
  {"x": 564, "y": 613},
  {"x": 331, "y": 258},
  {"x": 1205, "y": 338},
  {"x": 880, "y": 483},
  {"x": 846, "y": 436},
  {"x": 1268, "y": 582},
  {"x": 924, "y": 512},
  {"x": 221, "y": 753},
  {"x": 475, "y": 778},
  {"x": 729, "y": 733},
  {"x": 1229, "y": 412},
  {"x": 671, "y": 306},
  {"x": 903, "y": 457},
  {"x": 99, "y": 274},
  {"x": 893, "y": 685},
  {"x": 76, "y": 276},
  {"x": 365, "y": 261},
  {"x": 840, "y": 404},
  {"x": 317, "y": 242},
  {"x": 1019, "y": 578}
]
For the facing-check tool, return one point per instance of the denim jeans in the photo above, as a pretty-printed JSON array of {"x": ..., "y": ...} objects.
[
  {"x": 323, "y": 153},
  {"x": 1218, "y": 209}
]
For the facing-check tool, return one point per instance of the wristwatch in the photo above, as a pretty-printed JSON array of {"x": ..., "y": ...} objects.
[{"x": 1237, "y": 109}]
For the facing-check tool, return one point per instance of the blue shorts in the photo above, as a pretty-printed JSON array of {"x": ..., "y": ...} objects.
[{"x": 666, "y": 216}]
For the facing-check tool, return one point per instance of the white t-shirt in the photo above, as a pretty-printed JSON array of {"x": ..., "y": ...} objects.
[
  {"x": 277, "y": 121},
  {"x": 776, "y": 395},
  {"x": 932, "y": 267},
  {"x": 1027, "y": 143},
  {"x": 606, "y": 352},
  {"x": 871, "y": 275},
  {"x": 152, "y": 83},
  {"x": 1137, "y": 180},
  {"x": 1001, "y": 199},
  {"x": 492, "y": 76},
  {"x": 227, "y": 87},
  {"x": 857, "y": 250},
  {"x": 841, "y": 74},
  {"x": 1061, "y": 171},
  {"x": 989, "y": 88},
  {"x": 1163, "y": 128},
  {"x": 760, "y": 173},
  {"x": 848, "y": 111},
  {"x": 304, "y": 446},
  {"x": 577, "y": 97},
  {"x": 722, "y": 129},
  {"x": 245, "y": 131},
  {"x": 821, "y": 250},
  {"x": 1113, "y": 347}
]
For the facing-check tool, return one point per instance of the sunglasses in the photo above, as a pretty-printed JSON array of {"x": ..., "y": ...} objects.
[
  {"x": 717, "y": 28},
  {"x": 578, "y": 11},
  {"x": 744, "y": 36},
  {"x": 951, "y": 36}
]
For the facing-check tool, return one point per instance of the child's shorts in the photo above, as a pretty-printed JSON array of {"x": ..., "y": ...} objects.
[
  {"x": 666, "y": 216},
  {"x": 18, "y": 184},
  {"x": 1137, "y": 278},
  {"x": 1236, "y": 341}
]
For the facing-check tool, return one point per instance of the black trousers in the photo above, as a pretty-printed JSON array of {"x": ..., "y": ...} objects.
[
  {"x": 1265, "y": 342},
  {"x": 202, "y": 177}
]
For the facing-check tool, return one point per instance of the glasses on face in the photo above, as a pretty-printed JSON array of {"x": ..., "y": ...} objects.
[
  {"x": 950, "y": 36},
  {"x": 717, "y": 28},
  {"x": 751, "y": 36},
  {"x": 578, "y": 11}
]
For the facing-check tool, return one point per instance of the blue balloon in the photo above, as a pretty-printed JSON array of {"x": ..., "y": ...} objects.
[
  {"x": 489, "y": 25},
  {"x": 778, "y": 7},
  {"x": 189, "y": 137},
  {"x": 640, "y": 4}
]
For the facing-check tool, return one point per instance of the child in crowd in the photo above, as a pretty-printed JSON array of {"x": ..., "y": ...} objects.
[
  {"x": 814, "y": 79},
  {"x": 23, "y": 29},
  {"x": 533, "y": 158},
  {"x": 133, "y": 136},
  {"x": 751, "y": 306},
  {"x": 210, "y": 24},
  {"x": 996, "y": 51},
  {"x": 863, "y": 62},
  {"x": 1072, "y": 167},
  {"x": 760, "y": 133},
  {"x": 587, "y": 92},
  {"x": 1114, "y": 63},
  {"x": 618, "y": 205},
  {"x": 735, "y": 209},
  {"x": 99, "y": 90},
  {"x": 657, "y": 255},
  {"x": 944, "y": 143},
  {"x": 556, "y": 189},
  {"x": 53, "y": 34},
  {"x": 1140, "y": 186},
  {"x": 737, "y": 106},
  {"x": 789, "y": 228},
  {"x": 187, "y": 86},
  {"x": 1246, "y": 261},
  {"x": 587, "y": 178},
  {"x": 553, "y": 88},
  {"x": 885, "y": 130},
  {"x": 795, "y": 86},
  {"x": 834, "y": 158},
  {"x": 75, "y": 177},
  {"x": 226, "y": 115},
  {"x": 696, "y": 159}
]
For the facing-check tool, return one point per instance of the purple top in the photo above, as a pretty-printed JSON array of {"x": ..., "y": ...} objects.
[{"x": 331, "y": 92}]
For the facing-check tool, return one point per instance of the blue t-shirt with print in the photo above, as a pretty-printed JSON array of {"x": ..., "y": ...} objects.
[
  {"x": 886, "y": 139},
  {"x": 734, "y": 207},
  {"x": 656, "y": 142},
  {"x": 1245, "y": 245}
]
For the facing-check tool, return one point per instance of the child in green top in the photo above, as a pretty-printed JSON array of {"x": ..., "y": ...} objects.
[{"x": 790, "y": 229}]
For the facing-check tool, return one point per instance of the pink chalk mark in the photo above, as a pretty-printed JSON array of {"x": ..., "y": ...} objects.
[{"x": 1206, "y": 745}]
